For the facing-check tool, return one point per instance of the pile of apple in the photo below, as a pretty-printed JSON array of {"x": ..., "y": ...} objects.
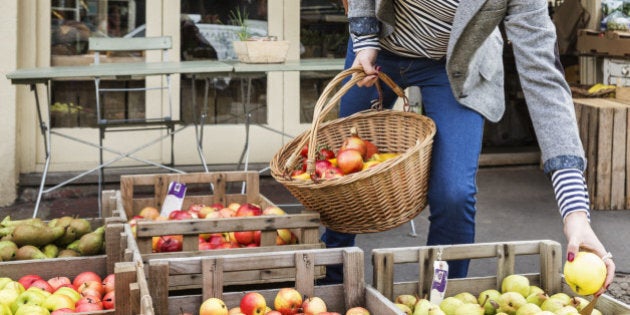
[
  {"x": 585, "y": 275},
  {"x": 355, "y": 154},
  {"x": 33, "y": 295},
  {"x": 288, "y": 301},
  {"x": 208, "y": 241},
  {"x": 60, "y": 237}
]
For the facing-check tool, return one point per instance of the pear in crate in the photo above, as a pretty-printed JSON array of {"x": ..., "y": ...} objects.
[
  {"x": 7, "y": 250},
  {"x": 50, "y": 250},
  {"x": 28, "y": 252},
  {"x": 68, "y": 253},
  {"x": 89, "y": 244},
  {"x": 36, "y": 235},
  {"x": 8, "y": 222}
]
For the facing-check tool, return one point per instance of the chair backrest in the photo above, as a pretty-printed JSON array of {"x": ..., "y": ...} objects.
[{"x": 101, "y": 44}]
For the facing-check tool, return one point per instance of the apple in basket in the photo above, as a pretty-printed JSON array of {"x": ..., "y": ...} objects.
[
  {"x": 354, "y": 142},
  {"x": 349, "y": 161}
]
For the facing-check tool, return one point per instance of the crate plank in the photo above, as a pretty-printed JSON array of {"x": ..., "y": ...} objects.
[{"x": 618, "y": 163}]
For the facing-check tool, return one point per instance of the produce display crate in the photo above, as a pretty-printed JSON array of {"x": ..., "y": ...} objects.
[
  {"x": 549, "y": 276},
  {"x": 304, "y": 225},
  {"x": 603, "y": 125},
  {"x": 121, "y": 258},
  {"x": 610, "y": 43},
  {"x": 216, "y": 270}
]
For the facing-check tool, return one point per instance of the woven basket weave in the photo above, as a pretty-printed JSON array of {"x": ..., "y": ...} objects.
[{"x": 373, "y": 200}]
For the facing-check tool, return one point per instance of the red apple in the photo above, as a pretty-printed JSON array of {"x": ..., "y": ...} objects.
[
  {"x": 92, "y": 302},
  {"x": 313, "y": 305},
  {"x": 349, "y": 161},
  {"x": 91, "y": 288},
  {"x": 57, "y": 282},
  {"x": 109, "y": 282},
  {"x": 244, "y": 237},
  {"x": 42, "y": 284},
  {"x": 370, "y": 149},
  {"x": 27, "y": 280},
  {"x": 149, "y": 212},
  {"x": 287, "y": 301},
  {"x": 109, "y": 300},
  {"x": 333, "y": 172},
  {"x": 203, "y": 212},
  {"x": 213, "y": 306},
  {"x": 321, "y": 166},
  {"x": 257, "y": 235},
  {"x": 354, "y": 142},
  {"x": 84, "y": 277},
  {"x": 248, "y": 210},
  {"x": 253, "y": 303},
  {"x": 170, "y": 243},
  {"x": 206, "y": 246},
  {"x": 89, "y": 307},
  {"x": 179, "y": 215}
]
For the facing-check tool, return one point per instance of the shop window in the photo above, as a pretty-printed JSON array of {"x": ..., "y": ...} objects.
[
  {"x": 323, "y": 34},
  {"x": 208, "y": 28},
  {"x": 73, "y": 22}
]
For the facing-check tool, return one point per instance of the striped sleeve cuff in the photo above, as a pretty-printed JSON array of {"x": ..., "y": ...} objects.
[
  {"x": 364, "y": 42},
  {"x": 570, "y": 189}
]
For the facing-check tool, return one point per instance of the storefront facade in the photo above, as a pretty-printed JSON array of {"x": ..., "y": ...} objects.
[{"x": 55, "y": 33}]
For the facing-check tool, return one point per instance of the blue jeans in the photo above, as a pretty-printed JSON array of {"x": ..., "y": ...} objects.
[{"x": 455, "y": 153}]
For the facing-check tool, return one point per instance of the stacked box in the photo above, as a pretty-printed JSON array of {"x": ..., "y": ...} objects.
[
  {"x": 216, "y": 270},
  {"x": 548, "y": 277},
  {"x": 608, "y": 43},
  {"x": 215, "y": 187}
]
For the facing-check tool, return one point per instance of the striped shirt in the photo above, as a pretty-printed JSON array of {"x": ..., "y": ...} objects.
[{"x": 423, "y": 28}]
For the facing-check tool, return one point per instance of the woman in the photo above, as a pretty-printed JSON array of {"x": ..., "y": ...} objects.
[{"x": 452, "y": 49}]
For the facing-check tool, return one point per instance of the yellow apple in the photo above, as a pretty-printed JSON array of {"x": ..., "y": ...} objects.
[{"x": 585, "y": 274}]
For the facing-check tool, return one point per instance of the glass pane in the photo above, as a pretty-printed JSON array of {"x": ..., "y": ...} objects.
[
  {"x": 73, "y": 22},
  {"x": 323, "y": 34},
  {"x": 208, "y": 28}
]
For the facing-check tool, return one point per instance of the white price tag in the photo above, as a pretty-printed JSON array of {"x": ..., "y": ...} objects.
[
  {"x": 440, "y": 278},
  {"x": 174, "y": 198}
]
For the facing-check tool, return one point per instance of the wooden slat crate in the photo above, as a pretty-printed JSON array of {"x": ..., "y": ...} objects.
[
  {"x": 548, "y": 278},
  {"x": 215, "y": 271},
  {"x": 304, "y": 225},
  {"x": 603, "y": 125}
]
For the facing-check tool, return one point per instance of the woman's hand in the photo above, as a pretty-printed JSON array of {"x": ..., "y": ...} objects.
[
  {"x": 366, "y": 59},
  {"x": 580, "y": 235}
]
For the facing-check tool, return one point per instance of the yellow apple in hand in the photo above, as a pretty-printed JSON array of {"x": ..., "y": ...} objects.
[{"x": 585, "y": 274}]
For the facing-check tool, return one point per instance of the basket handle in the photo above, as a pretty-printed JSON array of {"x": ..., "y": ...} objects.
[{"x": 325, "y": 104}]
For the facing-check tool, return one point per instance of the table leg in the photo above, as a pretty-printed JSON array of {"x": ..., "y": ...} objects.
[{"x": 45, "y": 130}]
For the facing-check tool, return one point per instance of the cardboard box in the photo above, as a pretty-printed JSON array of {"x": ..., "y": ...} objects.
[
  {"x": 210, "y": 188},
  {"x": 215, "y": 271},
  {"x": 548, "y": 255},
  {"x": 612, "y": 43}
]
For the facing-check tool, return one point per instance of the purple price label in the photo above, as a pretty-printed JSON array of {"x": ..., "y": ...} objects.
[
  {"x": 177, "y": 189},
  {"x": 439, "y": 280}
]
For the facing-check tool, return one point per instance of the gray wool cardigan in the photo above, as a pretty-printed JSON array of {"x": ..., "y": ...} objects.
[{"x": 474, "y": 65}]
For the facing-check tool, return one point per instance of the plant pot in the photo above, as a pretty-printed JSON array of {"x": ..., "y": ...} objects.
[{"x": 261, "y": 51}]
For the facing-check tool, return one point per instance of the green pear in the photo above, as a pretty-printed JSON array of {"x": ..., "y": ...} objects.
[
  {"x": 7, "y": 250},
  {"x": 535, "y": 289},
  {"x": 422, "y": 307},
  {"x": 528, "y": 309},
  {"x": 91, "y": 243},
  {"x": 27, "y": 234},
  {"x": 510, "y": 301},
  {"x": 537, "y": 298},
  {"x": 62, "y": 221},
  {"x": 6, "y": 230},
  {"x": 515, "y": 283},
  {"x": 489, "y": 300},
  {"x": 450, "y": 304},
  {"x": 565, "y": 298},
  {"x": 81, "y": 226},
  {"x": 567, "y": 310},
  {"x": 50, "y": 250},
  {"x": 404, "y": 308},
  {"x": 470, "y": 309},
  {"x": 436, "y": 310},
  {"x": 552, "y": 305},
  {"x": 466, "y": 297},
  {"x": 28, "y": 252},
  {"x": 406, "y": 299},
  {"x": 8, "y": 222},
  {"x": 68, "y": 253}
]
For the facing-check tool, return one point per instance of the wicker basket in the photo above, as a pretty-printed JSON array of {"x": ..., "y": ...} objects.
[{"x": 373, "y": 200}]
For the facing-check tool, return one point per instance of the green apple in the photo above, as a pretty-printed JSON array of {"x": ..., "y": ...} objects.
[
  {"x": 515, "y": 283},
  {"x": 510, "y": 301},
  {"x": 470, "y": 309},
  {"x": 28, "y": 297},
  {"x": 489, "y": 299},
  {"x": 29, "y": 309},
  {"x": 586, "y": 274},
  {"x": 450, "y": 304},
  {"x": 57, "y": 301},
  {"x": 528, "y": 309},
  {"x": 466, "y": 297},
  {"x": 5, "y": 309},
  {"x": 15, "y": 286},
  {"x": 422, "y": 307},
  {"x": 4, "y": 281},
  {"x": 70, "y": 292},
  {"x": 7, "y": 297}
]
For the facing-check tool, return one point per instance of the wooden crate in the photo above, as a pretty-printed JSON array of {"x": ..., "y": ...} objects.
[
  {"x": 603, "y": 124},
  {"x": 121, "y": 258},
  {"x": 216, "y": 270},
  {"x": 548, "y": 277},
  {"x": 304, "y": 225}
]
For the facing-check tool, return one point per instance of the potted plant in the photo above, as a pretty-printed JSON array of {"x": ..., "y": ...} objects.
[{"x": 251, "y": 49}]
